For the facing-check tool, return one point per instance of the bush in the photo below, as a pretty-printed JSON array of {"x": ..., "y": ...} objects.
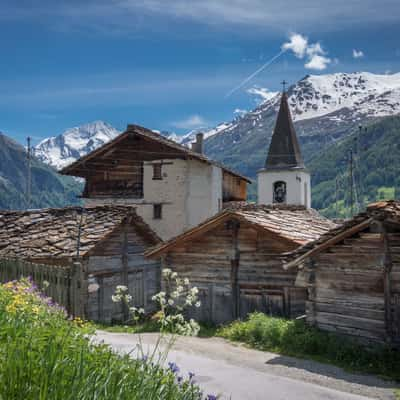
[
  {"x": 45, "y": 356},
  {"x": 296, "y": 338}
]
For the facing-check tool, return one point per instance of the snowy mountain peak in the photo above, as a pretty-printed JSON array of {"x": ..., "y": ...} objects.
[
  {"x": 61, "y": 150},
  {"x": 364, "y": 93}
]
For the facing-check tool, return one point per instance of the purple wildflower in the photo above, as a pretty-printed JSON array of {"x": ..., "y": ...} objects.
[
  {"x": 191, "y": 375},
  {"x": 211, "y": 397},
  {"x": 179, "y": 379},
  {"x": 173, "y": 367}
]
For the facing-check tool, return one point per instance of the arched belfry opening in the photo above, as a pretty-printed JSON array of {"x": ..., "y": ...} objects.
[
  {"x": 280, "y": 192},
  {"x": 284, "y": 178}
]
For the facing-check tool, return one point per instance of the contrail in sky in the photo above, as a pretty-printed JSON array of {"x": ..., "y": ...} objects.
[{"x": 249, "y": 78}]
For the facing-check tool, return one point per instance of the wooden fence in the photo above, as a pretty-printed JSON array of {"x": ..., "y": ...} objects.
[{"x": 66, "y": 284}]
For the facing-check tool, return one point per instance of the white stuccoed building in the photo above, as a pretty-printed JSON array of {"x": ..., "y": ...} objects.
[
  {"x": 284, "y": 179},
  {"x": 172, "y": 187}
]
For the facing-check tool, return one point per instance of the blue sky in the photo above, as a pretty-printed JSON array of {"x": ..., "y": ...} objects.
[{"x": 168, "y": 65}]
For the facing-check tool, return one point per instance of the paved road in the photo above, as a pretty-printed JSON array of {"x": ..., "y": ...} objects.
[{"x": 236, "y": 372}]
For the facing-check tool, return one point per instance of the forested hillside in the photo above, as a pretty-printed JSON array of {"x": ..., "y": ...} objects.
[
  {"x": 376, "y": 167},
  {"x": 49, "y": 189}
]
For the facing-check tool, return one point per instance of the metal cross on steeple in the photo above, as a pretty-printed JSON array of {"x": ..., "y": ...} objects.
[{"x": 283, "y": 86}]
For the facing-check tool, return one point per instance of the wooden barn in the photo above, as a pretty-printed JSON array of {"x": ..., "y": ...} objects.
[
  {"x": 235, "y": 259},
  {"x": 352, "y": 275},
  {"x": 106, "y": 245}
]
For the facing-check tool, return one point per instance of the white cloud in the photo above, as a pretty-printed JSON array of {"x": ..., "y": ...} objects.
[
  {"x": 317, "y": 62},
  {"x": 122, "y": 16},
  {"x": 313, "y": 52},
  {"x": 298, "y": 44},
  {"x": 191, "y": 122},
  {"x": 358, "y": 53},
  {"x": 261, "y": 94}
]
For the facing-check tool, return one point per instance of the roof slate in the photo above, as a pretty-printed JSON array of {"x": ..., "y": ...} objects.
[
  {"x": 284, "y": 150},
  {"x": 293, "y": 223},
  {"x": 53, "y": 233},
  {"x": 380, "y": 210}
]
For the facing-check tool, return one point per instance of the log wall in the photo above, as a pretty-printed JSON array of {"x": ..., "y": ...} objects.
[
  {"x": 238, "y": 273},
  {"x": 120, "y": 261},
  {"x": 346, "y": 288}
]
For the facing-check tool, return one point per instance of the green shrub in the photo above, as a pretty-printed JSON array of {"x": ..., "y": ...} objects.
[
  {"x": 296, "y": 338},
  {"x": 45, "y": 356}
]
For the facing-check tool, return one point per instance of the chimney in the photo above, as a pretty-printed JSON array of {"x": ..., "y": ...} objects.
[{"x": 197, "y": 146}]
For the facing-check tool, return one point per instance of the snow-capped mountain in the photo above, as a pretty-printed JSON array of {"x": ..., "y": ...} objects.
[
  {"x": 59, "y": 151},
  {"x": 325, "y": 108},
  {"x": 188, "y": 138}
]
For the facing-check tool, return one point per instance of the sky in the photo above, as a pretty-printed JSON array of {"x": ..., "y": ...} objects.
[{"x": 175, "y": 65}]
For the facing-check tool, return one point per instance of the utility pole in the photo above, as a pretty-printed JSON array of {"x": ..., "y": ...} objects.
[
  {"x": 29, "y": 173},
  {"x": 351, "y": 184},
  {"x": 336, "y": 199}
]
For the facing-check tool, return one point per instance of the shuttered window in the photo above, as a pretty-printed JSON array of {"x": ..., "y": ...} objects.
[{"x": 157, "y": 171}]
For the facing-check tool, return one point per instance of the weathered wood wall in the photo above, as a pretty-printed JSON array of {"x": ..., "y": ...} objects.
[
  {"x": 394, "y": 303},
  {"x": 120, "y": 261},
  {"x": 67, "y": 284},
  {"x": 233, "y": 188},
  {"x": 346, "y": 288},
  {"x": 238, "y": 273}
]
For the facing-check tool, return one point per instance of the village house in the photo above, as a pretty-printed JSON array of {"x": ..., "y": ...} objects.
[
  {"x": 352, "y": 274},
  {"x": 236, "y": 257},
  {"x": 83, "y": 253},
  {"x": 172, "y": 187}
]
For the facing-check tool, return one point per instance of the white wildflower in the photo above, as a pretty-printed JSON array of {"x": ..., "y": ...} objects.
[
  {"x": 197, "y": 304},
  {"x": 122, "y": 288},
  {"x": 170, "y": 302},
  {"x": 186, "y": 281}
]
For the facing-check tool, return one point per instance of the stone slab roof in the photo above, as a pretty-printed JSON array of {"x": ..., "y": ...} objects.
[
  {"x": 383, "y": 210},
  {"x": 293, "y": 223},
  {"x": 53, "y": 233}
]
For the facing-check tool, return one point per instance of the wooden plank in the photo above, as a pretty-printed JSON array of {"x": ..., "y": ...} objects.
[{"x": 328, "y": 243}]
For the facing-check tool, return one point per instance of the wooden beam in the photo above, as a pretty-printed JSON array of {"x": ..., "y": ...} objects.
[{"x": 330, "y": 242}]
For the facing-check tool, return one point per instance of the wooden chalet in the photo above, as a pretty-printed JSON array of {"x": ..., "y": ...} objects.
[
  {"x": 352, "y": 274},
  {"x": 173, "y": 187},
  {"x": 105, "y": 243},
  {"x": 235, "y": 259}
]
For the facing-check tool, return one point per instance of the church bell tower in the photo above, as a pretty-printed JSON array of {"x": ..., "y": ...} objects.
[{"x": 284, "y": 179}]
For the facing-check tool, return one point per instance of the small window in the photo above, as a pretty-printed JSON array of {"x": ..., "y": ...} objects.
[
  {"x": 157, "y": 171},
  {"x": 157, "y": 211}
]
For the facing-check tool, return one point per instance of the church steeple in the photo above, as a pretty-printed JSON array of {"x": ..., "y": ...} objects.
[
  {"x": 284, "y": 150},
  {"x": 284, "y": 179}
]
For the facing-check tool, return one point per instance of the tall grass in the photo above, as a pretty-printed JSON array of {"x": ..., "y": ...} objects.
[
  {"x": 44, "y": 356},
  {"x": 296, "y": 338}
]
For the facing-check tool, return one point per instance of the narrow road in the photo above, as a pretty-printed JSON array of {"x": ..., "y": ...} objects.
[{"x": 238, "y": 373}]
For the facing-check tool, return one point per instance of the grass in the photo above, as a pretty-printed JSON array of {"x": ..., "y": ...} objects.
[
  {"x": 45, "y": 356},
  {"x": 295, "y": 338},
  {"x": 206, "y": 330}
]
